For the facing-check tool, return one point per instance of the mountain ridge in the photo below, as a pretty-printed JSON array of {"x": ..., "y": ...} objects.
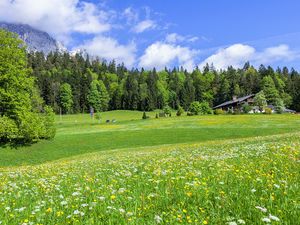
[{"x": 36, "y": 40}]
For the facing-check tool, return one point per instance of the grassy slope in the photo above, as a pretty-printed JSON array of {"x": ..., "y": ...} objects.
[
  {"x": 214, "y": 182},
  {"x": 78, "y": 134}
]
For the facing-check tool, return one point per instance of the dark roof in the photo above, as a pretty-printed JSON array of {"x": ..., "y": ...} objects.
[{"x": 238, "y": 100}]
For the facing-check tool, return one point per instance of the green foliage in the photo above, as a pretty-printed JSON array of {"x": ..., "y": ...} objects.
[
  {"x": 246, "y": 108},
  {"x": 66, "y": 97},
  {"x": 195, "y": 108},
  {"x": 205, "y": 108},
  {"x": 94, "y": 96},
  {"x": 8, "y": 129},
  {"x": 180, "y": 111},
  {"x": 279, "y": 105},
  {"x": 49, "y": 123},
  {"x": 103, "y": 95},
  {"x": 260, "y": 100},
  {"x": 167, "y": 110},
  {"x": 149, "y": 90},
  {"x": 20, "y": 104},
  {"x": 268, "y": 111},
  {"x": 219, "y": 112},
  {"x": 144, "y": 116},
  {"x": 270, "y": 90}
]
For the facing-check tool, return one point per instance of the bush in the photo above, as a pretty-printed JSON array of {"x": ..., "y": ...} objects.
[
  {"x": 246, "y": 108},
  {"x": 279, "y": 106},
  {"x": 189, "y": 114},
  {"x": 197, "y": 108},
  {"x": 194, "y": 108},
  {"x": 144, "y": 116},
  {"x": 156, "y": 116},
  {"x": 219, "y": 112},
  {"x": 8, "y": 129},
  {"x": 180, "y": 111},
  {"x": 205, "y": 108},
  {"x": 268, "y": 111},
  {"x": 167, "y": 110}
]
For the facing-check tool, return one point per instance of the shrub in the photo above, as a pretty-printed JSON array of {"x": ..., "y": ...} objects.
[
  {"x": 180, "y": 110},
  {"x": 194, "y": 108},
  {"x": 167, "y": 110},
  {"x": 144, "y": 116},
  {"x": 219, "y": 112},
  {"x": 279, "y": 106},
  {"x": 205, "y": 108},
  {"x": 268, "y": 111},
  {"x": 189, "y": 114},
  {"x": 156, "y": 116},
  {"x": 8, "y": 129},
  {"x": 246, "y": 108}
]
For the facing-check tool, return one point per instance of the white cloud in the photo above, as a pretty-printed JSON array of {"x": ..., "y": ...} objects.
[
  {"x": 143, "y": 26},
  {"x": 109, "y": 49},
  {"x": 236, "y": 55},
  {"x": 58, "y": 17},
  {"x": 274, "y": 54},
  {"x": 161, "y": 54},
  {"x": 175, "y": 38},
  {"x": 131, "y": 15},
  {"x": 193, "y": 39}
]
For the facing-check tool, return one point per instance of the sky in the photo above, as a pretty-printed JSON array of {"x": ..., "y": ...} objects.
[{"x": 160, "y": 33}]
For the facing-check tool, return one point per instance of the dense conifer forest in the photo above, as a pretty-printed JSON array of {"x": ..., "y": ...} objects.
[{"x": 73, "y": 84}]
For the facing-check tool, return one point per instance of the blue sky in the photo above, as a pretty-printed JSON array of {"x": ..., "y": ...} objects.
[{"x": 170, "y": 32}]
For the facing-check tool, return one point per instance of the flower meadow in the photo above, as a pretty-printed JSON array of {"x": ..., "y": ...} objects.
[{"x": 246, "y": 181}]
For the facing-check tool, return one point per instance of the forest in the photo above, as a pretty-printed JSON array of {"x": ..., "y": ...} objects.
[{"x": 74, "y": 84}]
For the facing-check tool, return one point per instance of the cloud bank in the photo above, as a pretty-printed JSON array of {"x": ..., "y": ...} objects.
[
  {"x": 110, "y": 49},
  {"x": 161, "y": 54},
  {"x": 59, "y": 18},
  {"x": 236, "y": 55}
]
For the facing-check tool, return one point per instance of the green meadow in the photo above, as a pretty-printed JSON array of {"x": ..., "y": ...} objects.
[
  {"x": 226, "y": 169},
  {"x": 79, "y": 134}
]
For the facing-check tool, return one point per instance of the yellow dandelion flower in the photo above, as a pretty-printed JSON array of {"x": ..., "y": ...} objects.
[{"x": 49, "y": 210}]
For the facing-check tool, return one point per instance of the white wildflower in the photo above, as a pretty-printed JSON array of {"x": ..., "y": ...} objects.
[
  {"x": 129, "y": 214},
  {"x": 253, "y": 190},
  {"x": 76, "y": 212},
  {"x": 276, "y": 185},
  {"x": 75, "y": 193},
  {"x": 261, "y": 209},
  {"x": 240, "y": 221},
  {"x": 266, "y": 219},
  {"x": 101, "y": 198},
  {"x": 232, "y": 223},
  {"x": 275, "y": 218},
  {"x": 122, "y": 211},
  {"x": 157, "y": 219},
  {"x": 64, "y": 203}
]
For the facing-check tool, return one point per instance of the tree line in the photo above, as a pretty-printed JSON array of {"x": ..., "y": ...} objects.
[{"x": 74, "y": 84}]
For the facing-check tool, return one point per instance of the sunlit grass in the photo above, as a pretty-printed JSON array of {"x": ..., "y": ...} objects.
[{"x": 246, "y": 181}]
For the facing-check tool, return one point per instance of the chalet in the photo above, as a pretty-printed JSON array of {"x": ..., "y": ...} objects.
[{"x": 236, "y": 103}]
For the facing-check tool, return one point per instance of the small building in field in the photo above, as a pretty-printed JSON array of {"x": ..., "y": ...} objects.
[{"x": 236, "y": 103}]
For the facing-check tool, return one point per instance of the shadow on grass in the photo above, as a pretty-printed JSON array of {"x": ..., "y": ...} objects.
[{"x": 16, "y": 143}]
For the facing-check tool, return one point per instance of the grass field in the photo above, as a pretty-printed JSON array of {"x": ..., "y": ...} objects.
[
  {"x": 79, "y": 134},
  {"x": 181, "y": 170}
]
